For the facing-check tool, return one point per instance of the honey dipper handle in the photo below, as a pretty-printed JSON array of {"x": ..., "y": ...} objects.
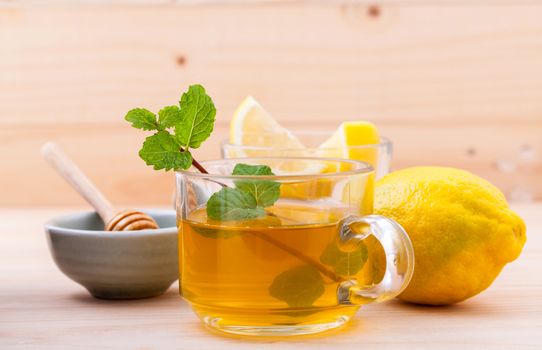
[{"x": 78, "y": 180}]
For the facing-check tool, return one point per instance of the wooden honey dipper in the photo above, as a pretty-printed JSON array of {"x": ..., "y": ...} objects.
[{"x": 115, "y": 220}]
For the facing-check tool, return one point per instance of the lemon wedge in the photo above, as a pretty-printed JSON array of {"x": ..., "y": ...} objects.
[
  {"x": 252, "y": 125},
  {"x": 343, "y": 142}
]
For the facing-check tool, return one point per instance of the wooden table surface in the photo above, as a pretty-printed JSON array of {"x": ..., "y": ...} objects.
[{"x": 41, "y": 308}]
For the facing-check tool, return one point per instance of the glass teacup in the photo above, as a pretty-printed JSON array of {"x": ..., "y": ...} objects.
[{"x": 305, "y": 265}]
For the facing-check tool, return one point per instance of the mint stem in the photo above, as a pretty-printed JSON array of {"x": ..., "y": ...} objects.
[
  {"x": 305, "y": 258},
  {"x": 201, "y": 169},
  {"x": 196, "y": 164}
]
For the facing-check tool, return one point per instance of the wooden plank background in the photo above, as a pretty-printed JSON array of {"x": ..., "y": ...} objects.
[{"x": 456, "y": 84}]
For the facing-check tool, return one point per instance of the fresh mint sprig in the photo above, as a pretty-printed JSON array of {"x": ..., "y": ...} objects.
[
  {"x": 178, "y": 128},
  {"x": 248, "y": 199}
]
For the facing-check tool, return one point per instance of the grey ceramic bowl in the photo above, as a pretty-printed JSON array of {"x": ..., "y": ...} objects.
[{"x": 115, "y": 265}]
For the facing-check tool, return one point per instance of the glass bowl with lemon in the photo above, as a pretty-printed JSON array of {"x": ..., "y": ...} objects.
[{"x": 255, "y": 133}]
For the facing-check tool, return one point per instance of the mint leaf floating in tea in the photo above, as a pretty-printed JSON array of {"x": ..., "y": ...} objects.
[
  {"x": 197, "y": 117},
  {"x": 344, "y": 263},
  {"x": 299, "y": 287},
  {"x": 248, "y": 199},
  {"x": 266, "y": 192},
  {"x": 161, "y": 150},
  {"x": 233, "y": 204},
  {"x": 142, "y": 118}
]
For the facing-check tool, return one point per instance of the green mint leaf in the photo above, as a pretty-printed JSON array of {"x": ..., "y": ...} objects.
[
  {"x": 248, "y": 199},
  {"x": 299, "y": 287},
  {"x": 197, "y": 117},
  {"x": 233, "y": 204},
  {"x": 266, "y": 192},
  {"x": 246, "y": 169},
  {"x": 161, "y": 150},
  {"x": 169, "y": 116},
  {"x": 344, "y": 263},
  {"x": 142, "y": 118}
]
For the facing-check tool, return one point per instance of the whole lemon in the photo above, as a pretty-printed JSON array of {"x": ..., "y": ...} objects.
[{"x": 462, "y": 230}]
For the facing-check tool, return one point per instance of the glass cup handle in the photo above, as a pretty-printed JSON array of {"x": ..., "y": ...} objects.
[{"x": 399, "y": 258}]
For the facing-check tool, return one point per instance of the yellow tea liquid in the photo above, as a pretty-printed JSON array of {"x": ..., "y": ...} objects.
[{"x": 279, "y": 269}]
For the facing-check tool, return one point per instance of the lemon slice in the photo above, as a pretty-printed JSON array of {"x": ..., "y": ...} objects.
[
  {"x": 350, "y": 134},
  {"x": 252, "y": 125},
  {"x": 342, "y": 144}
]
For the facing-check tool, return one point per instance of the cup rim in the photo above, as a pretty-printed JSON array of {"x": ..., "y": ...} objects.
[{"x": 363, "y": 168}]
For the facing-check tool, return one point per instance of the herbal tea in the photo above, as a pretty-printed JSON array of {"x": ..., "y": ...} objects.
[{"x": 283, "y": 268}]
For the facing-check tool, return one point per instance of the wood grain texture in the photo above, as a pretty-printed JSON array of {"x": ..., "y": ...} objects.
[
  {"x": 451, "y": 85},
  {"x": 41, "y": 309}
]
